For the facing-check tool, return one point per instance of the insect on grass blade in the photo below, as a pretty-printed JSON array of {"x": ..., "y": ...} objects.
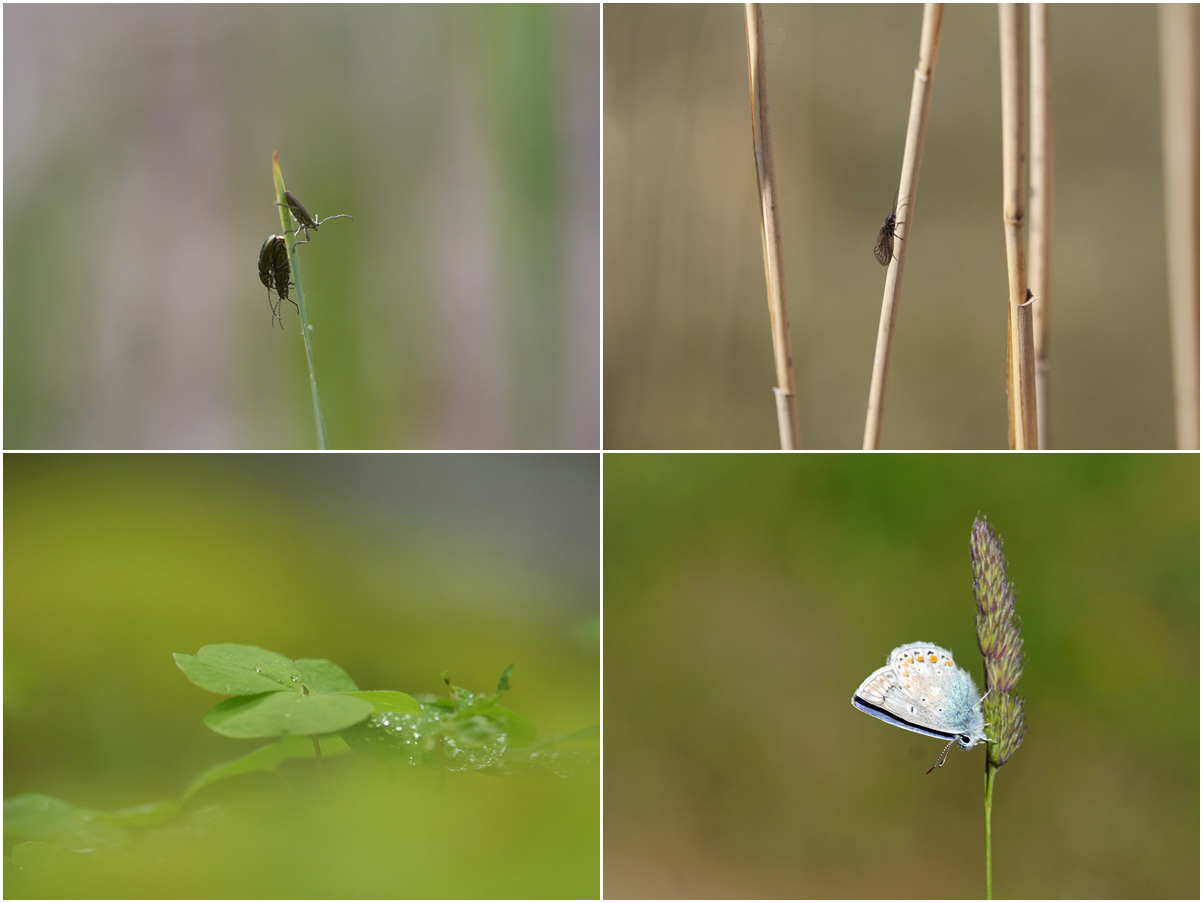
[
  {"x": 883, "y": 250},
  {"x": 274, "y": 268},
  {"x": 305, "y": 220}
]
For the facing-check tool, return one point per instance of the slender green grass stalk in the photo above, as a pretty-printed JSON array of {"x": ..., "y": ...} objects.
[
  {"x": 1002, "y": 651},
  {"x": 770, "y": 230},
  {"x": 306, "y": 330},
  {"x": 908, "y": 188}
]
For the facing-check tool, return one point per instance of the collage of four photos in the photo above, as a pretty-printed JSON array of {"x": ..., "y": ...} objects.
[{"x": 503, "y": 451}]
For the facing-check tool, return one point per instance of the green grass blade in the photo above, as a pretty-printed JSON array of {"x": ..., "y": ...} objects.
[{"x": 306, "y": 330}]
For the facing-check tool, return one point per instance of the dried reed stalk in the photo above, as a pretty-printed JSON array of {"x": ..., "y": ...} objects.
[
  {"x": 1179, "y": 27},
  {"x": 770, "y": 232},
  {"x": 1041, "y": 194},
  {"x": 908, "y": 186},
  {"x": 1021, "y": 389}
]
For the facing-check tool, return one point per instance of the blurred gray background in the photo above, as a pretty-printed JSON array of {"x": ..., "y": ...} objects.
[
  {"x": 458, "y": 310},
  {"x": 688, "y": 360}
]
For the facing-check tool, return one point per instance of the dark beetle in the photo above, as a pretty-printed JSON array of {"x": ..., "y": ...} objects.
[
  {"x": 273, "y": 267},
  {"x": 267, "y": 255},
  {"x": 305, "y": 219},
  {"x": 282, "y": 271}
]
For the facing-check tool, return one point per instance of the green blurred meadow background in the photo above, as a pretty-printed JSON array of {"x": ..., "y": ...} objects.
[
  {"x": 458, "y": 310},
  {"x": 395, "y": 567},
  {"x": 688, "y": 357},
  {"x": 747, "y": 597}
]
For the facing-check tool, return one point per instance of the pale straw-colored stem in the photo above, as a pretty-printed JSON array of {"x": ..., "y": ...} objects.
[
  {"x": 1041, "y": 229},
  {"x": 770, "y": 232},
  {"x": 1025, "y": 353},
  {"x": 1179, "y": 27},
  {"x": 908, "y": 186},
  {"x": 1021, "y": 389}
]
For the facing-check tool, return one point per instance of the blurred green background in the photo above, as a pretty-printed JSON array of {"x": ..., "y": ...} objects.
[
  {"x": 458, "y": 310},
  {"x": 395, "y": 567},
  {"x": 688, "y": 357},
  {"x": 746, "y": 598}
]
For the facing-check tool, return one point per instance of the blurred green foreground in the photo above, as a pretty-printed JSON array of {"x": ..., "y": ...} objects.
[{"x": 398, "y": 568}]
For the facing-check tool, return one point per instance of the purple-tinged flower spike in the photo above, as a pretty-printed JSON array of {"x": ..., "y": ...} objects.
[{"x": 999, "y": 640}]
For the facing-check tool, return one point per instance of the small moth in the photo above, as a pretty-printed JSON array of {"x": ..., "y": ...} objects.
[{"x": 883, "y": 250}]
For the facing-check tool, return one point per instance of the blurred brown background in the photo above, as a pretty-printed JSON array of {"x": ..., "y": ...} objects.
[
  {"x": 458, "y": 310},
  {"x": 688, "y": 359}
]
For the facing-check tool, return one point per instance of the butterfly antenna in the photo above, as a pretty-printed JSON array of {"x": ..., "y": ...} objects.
[{"x": 943, "y": 756}]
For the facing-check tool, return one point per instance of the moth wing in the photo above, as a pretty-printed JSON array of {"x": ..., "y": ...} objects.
[{"x": 884, "y": 249}]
